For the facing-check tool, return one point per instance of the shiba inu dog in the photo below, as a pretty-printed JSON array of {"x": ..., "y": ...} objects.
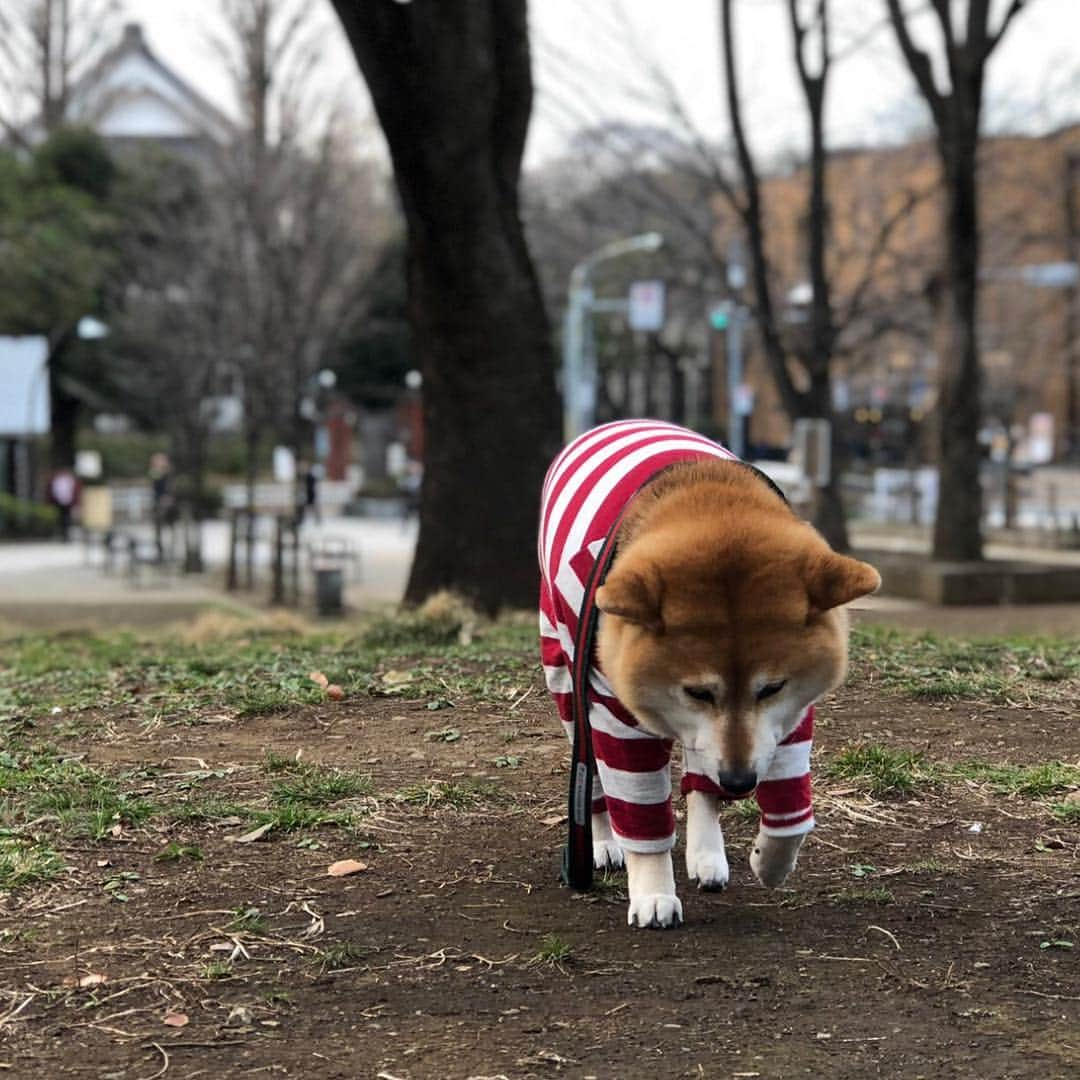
[{"x": 720, "y": 625}]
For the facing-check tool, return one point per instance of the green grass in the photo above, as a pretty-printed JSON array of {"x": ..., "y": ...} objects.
[
  {"x": 313, "y": 785},
  {"x": 610, "y": 882},
  {"x": 741, "y": 809},
  {"x": 175, "y": 852},
  {"x": 254, "y": 670},
  {"x": 886, "y": 773},
  {"x": 553, "y": 951},
  {"x": 1069, "y": 812},
  {"x": 216, "y": 970},
  {"x": 1028, "y": 781},
  {"x": 882, "y": 772},
  {"x": 248, "y": 919},
  {"x": 458, "y": 794},
  {"x": 933, "y": 668},
  {"x": 82, "y": 802},
  {"x": 342, "y": 954},
  {"x": 277, "y": 763},
  {"x": 24, "y": 862},
  {"x": 876, "y": 894},
  {"x": 926, "y": 866}
]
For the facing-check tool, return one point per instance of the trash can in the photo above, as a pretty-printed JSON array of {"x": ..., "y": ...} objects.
[{"x": 328, "y": 561}]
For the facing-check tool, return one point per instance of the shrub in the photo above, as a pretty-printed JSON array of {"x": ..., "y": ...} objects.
[{"x": 22, "y": 518}]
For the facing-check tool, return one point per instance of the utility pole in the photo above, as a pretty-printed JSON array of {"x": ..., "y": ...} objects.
[
  {"x": 731, "y": 319},
  {"x": 1072, "y": 309}
]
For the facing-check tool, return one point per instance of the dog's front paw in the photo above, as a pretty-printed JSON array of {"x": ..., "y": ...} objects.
[
  {"x": 708, "y": 868},
  {"x": 607, "y": 855},
  {"x": 655, "y": 912},
  {"x": 772, "y": 859}
]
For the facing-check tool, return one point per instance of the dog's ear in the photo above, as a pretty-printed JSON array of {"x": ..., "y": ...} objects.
[
  {"x": 632, "y": 593},
  {"x": 832, "y": 580}
]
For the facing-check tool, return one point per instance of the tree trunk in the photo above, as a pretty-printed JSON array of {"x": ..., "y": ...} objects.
[
  {"x": 251, "y": 458},
  {"x": 828, "y": 514},
  {"x": 956, "y": 112},
  {"x": 64, "y": 408},
  {"x": 958, "y": 525},
  {"x": 452, "y": 88}
]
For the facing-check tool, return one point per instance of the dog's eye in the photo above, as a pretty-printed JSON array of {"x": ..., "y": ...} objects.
[
  {"x": 700, "y": 693},
  {"x": 770, "y": 689}
]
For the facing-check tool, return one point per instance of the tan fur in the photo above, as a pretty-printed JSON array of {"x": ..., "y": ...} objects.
[{"x": 716, "y": 578}]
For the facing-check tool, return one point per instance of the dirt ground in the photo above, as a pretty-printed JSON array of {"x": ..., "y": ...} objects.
[{"x": 935, "y": 935}]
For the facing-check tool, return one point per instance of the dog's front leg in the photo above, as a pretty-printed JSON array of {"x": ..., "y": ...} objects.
[
  {"x": 706, "y": 860},
  {"x": 651, "y": 882},
  {"x": 773, "y": 858}
]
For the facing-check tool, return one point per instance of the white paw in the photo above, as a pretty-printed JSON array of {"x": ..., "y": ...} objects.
[
  {"x": 655, "y": 912},
  {"x": 772, "y": 868},
  {"x": 607, "y": 855},
  {"x": 708, "y": 868}
]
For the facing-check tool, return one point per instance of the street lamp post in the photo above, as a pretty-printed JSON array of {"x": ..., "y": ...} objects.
[{"x": 579, "y": 346}]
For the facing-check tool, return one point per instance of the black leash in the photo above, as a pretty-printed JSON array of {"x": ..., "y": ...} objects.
[{"x": 577, "y": 868}]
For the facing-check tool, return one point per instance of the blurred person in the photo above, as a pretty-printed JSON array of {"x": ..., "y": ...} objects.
[
  {"x": 163, "y": 497},
  {"x": 307, "y": 493},
  {"x": 64, "y": 493},
  {"x": 410, "y": 484}
]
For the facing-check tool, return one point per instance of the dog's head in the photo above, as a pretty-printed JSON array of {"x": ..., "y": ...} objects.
[{"x": 721, "y": 632}]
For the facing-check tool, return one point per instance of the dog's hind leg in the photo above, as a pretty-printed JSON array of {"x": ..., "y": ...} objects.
[
  {"x": 706, "y": 859},
  {"x": 607, "y": 853}
]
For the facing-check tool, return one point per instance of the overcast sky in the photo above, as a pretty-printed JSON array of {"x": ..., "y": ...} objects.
[{"x": 593, "y": 62}]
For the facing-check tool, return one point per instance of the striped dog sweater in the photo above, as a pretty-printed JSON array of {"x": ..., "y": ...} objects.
[{"x": 585, "y": 489}]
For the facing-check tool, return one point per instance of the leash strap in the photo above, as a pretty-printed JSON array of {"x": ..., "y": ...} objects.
[{"x": 577, "y": 869}]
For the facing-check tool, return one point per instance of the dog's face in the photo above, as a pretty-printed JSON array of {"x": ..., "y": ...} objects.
[{"x": 722, "y": 635}]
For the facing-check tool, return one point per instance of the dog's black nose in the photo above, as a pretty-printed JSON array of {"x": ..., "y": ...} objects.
[{"x": 738, "y": 781}]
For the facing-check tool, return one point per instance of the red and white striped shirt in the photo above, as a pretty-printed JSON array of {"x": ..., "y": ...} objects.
[{"x": 586, "y": 488}]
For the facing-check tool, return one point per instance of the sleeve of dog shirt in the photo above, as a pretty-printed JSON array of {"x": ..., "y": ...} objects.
[
  {"x": 784, "y": 795},
  {"x": 635, "y": 770},
  {"x": 557, "y": 674}
]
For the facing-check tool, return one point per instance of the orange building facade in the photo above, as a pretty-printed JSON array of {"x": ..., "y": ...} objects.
[{"x": 885, "y": 265}]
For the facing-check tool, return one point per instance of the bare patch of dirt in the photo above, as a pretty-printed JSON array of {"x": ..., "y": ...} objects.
[{"x": 912, "y": 944}]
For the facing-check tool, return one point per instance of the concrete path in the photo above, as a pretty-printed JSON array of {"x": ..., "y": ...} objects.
[
  {"x": 56, "y": 585},
  {"x": 64, "y": 585}
]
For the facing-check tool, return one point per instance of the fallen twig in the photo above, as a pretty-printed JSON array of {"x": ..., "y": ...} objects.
[{"x": 888, "y": 934}]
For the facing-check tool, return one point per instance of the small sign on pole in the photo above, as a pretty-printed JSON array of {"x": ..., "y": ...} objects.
[
  {"x": 744, "y": 399},
  {"x": 813, "y": 450},
  {"x": 646, "y": 306}
]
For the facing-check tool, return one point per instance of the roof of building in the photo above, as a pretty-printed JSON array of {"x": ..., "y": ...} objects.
[{"x": 130, "y": 93}]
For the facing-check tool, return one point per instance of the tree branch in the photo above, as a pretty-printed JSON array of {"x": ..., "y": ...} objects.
[
  {"x": 919, "y": 63},
  {"x": 994, "y": 39},
  {"x": 752, "y": 217}
]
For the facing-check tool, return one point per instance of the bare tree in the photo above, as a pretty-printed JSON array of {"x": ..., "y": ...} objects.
[
  {"x": 299, "y": 207},
  {"x": 967, "y": 43},
  {"x": 707, "y": 195},
  {"x": 815, "y": 400},
  {"x": 174, "y": 319},
  {"x": 452, "y": 87},
  {"x": 46, "y": 46}
]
